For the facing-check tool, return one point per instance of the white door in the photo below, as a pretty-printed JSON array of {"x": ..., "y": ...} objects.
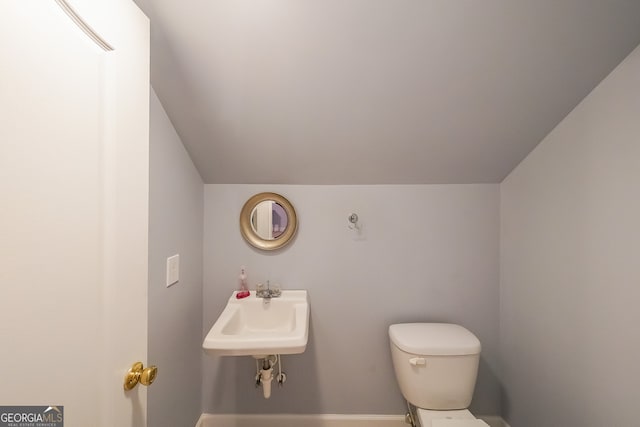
[
  {"x": 264, "y": 220},
  {"x": 73, "y": 209}
]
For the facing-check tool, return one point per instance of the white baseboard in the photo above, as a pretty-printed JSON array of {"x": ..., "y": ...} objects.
[
  {"x": 289, "y": 420},
  {"x": 493, "y": 421},
  {"x": 319, "y": 420}
]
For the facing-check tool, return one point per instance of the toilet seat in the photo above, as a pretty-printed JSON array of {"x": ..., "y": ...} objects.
[{"x": 461, "y": 418}]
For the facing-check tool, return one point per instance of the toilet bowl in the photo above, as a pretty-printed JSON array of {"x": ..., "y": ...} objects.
[{"x": 436, "y": 365}]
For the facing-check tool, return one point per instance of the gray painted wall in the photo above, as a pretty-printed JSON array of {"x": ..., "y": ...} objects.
[
  {"x": 427, "y": 253},
  {"x": 175, "y": 313},
  {"x": 570, "y": 266}
]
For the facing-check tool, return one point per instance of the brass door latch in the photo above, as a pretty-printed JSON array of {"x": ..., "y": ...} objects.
[{"x": 139, "y": 374}]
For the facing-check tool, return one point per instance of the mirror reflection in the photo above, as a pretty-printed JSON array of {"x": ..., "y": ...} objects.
[{"x": 269, "y": 220}]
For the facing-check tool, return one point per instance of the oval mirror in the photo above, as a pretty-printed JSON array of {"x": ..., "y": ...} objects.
[{"x": 268, "y": 221}]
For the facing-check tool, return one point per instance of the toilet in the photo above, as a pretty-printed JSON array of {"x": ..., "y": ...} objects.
[{"x": 436, "y": 366}]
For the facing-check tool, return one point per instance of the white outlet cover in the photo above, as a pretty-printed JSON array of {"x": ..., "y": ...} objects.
[{"x": 173, "y": 270}]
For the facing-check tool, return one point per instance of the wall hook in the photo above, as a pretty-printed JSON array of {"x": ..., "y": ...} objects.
[{"x": 353, "y": 222}]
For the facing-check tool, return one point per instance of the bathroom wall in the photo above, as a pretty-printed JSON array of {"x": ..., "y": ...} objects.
[
  {"x": 427, "y": 253},
  {"x": 175, "y": 313},
  {"x": 570, "y": 266}
]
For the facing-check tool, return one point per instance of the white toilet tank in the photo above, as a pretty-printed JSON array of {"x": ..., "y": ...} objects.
[{"x": 436, "y": 364}]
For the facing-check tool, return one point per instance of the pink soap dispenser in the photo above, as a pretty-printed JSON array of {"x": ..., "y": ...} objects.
[{"x": 243, "y": 288}]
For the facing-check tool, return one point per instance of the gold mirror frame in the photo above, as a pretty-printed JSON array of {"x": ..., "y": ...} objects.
[{"x": 252, "y": 237}]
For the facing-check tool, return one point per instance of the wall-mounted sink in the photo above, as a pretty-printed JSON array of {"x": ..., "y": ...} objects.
[{"x": 257, "y": 327}]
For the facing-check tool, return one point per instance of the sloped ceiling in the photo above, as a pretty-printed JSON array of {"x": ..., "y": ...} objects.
[{"x": 377, "y": 91}]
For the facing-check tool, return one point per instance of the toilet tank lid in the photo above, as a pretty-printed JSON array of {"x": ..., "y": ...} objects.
[{"x": 434, "y": 339}]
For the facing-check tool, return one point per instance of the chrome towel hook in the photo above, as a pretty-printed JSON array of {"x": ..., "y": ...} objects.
[{"x": 353, "y": 222}]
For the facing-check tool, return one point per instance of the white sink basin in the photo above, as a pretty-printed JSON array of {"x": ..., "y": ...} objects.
[{"x": 257, "y": 327}]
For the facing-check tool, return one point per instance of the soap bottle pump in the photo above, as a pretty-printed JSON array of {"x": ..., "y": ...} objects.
[{"x": 243, "y": 288}]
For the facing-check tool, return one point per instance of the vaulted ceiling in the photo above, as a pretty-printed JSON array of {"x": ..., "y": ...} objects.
[{"x": 377, "y": 91}]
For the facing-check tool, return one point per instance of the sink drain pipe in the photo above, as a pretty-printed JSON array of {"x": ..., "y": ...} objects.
[
  {"x": 264, "y": 373},
  {"x": 266, "y": 376}
]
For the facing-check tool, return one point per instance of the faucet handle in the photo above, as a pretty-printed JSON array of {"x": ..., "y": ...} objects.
[{"x": 276, "y": 290}]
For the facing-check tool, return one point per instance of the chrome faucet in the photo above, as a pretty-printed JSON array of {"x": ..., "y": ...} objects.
[{"x": 267, "y": 293}]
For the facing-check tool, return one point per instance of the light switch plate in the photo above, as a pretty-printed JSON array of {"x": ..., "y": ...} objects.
[{"x": 173, "y": 270}]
